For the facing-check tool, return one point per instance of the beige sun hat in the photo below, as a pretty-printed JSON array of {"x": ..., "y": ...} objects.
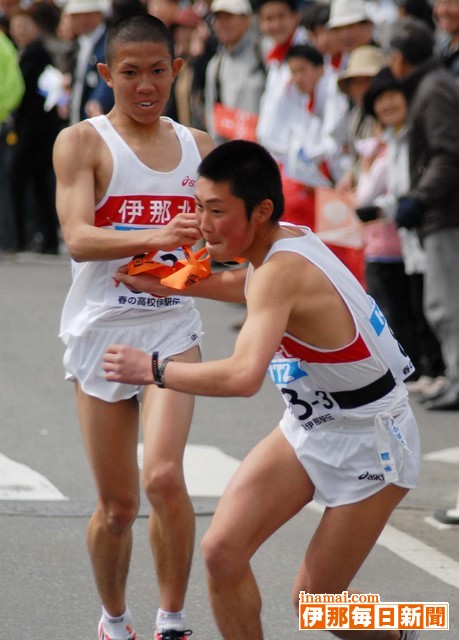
[
  {"x": 363, "y": 62},
  {"x": 346, "y": 12}
]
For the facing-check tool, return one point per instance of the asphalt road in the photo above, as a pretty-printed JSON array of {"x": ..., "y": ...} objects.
[{"x": 46, "y": 586}]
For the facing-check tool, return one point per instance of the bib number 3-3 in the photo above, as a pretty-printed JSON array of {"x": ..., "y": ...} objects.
[{"x": 324, "y": 400}]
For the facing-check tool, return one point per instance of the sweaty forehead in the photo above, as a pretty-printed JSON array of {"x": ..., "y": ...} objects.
[{"x": 145, "y": 51}]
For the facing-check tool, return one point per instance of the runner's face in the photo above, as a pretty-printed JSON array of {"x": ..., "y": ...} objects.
[
  {"x": 141, "y": 75},
  {"x": 223, "y": 220}
]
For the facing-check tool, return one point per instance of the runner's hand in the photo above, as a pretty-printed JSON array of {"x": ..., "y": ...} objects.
[
  {"x": 127, "y": 365},
  {"x": 143, "y": 282},
  {"x": 181, "y": 230}
]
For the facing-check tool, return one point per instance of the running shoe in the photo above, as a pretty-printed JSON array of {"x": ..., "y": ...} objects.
[
  {"x": 409, "y": 634},
  {"x": 102, "y": 635},
  {"x": 172, "y": 634}
]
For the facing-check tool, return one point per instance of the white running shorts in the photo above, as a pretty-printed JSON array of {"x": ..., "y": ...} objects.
[
  {"x": 343, "y": 462},
  {"x": 167, "y": 333}
]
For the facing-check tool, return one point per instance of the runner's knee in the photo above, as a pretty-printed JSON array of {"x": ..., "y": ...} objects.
[
  {"x": 119, "y": 515},
  {"x": 163, "y": 483},
  {"x": 222, "y": 557}
]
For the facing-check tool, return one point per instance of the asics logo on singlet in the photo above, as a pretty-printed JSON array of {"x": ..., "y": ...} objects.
[
  {"x": 188, "y": 182},
  {"x": 372, "y": 476}
]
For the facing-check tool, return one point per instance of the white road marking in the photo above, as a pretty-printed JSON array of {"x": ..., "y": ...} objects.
[
  {"x": 19, "y": 482},
  {"x": 415, "y": 552},
  {"x": 436, "y": 524},
  {"x": 207, "y": 472},
  {"x": 207, "y": 469},
  {"x": 450, "y": 456},
  {"x": 421, "y": 555}
]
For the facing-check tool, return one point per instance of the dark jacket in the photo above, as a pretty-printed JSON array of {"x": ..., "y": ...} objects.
[
  {"x": 448, "y": 57},
  {"x": 94, "y": 87},
  {"x": 36, "y": 128},
  {"x": 433, "y": 138}
]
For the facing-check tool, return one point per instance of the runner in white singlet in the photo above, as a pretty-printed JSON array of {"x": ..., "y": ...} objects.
[
  {"x": 125, "y": 186},
  {"x": 348, "y": 437}
]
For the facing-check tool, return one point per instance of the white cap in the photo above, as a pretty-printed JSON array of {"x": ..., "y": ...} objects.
[
  {"x": 236, "y": 7},
  {"x": 86, "y": 6},
  {"x": 346, "y": 12}
]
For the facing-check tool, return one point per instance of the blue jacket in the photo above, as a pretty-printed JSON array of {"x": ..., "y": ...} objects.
[{"x": 94, "y": 87}]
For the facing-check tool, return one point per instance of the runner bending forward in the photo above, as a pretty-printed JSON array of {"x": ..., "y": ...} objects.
[{"x": 348, "y": 438}]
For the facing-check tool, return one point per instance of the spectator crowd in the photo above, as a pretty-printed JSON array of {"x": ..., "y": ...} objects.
[{"x": 358, "y": 98}]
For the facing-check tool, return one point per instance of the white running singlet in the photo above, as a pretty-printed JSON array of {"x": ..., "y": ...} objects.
[
  {"x": 315, "y": 382},
  {"x": 137, "y": 198},
  {"x": 347, "y": 413}
]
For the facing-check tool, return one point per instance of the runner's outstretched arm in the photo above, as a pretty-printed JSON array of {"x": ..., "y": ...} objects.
[{"x": 225, "y": 286}]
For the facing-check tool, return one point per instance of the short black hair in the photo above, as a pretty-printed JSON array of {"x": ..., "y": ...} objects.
[
  {"x": 292, "y": 4},
  {"x": 306, "y": 51},
  {"x": 141, "y": 27},
  {"x": 413, "y": 38},
  {"x": 251, "y": 172},
  {"x": 419, "y": 9},
  {"x": 315, "y": 15}
]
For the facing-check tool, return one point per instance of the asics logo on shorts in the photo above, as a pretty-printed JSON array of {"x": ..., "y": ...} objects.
[{"x": 372, "y": 476}]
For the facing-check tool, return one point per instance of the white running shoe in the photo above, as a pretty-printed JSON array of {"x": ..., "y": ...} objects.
[{"x": 421, "y": 385}]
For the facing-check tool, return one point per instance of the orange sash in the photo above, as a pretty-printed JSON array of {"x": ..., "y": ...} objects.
[{"x": 184, "y": 273}]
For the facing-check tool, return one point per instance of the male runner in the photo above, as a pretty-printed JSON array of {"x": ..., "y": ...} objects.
[
  {"x": 125, "y": 186},
  {"x": 348, "y": 438}
]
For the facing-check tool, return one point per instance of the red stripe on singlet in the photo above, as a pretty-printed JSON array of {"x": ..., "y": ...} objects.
[{"x": 354, "y": 352}]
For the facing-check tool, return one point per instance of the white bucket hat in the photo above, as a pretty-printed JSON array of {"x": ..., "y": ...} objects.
[
  {"x": 236, "y": 7},
  {"x": 346, "y": 12},
  {"x": 86, "y": 6}
]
